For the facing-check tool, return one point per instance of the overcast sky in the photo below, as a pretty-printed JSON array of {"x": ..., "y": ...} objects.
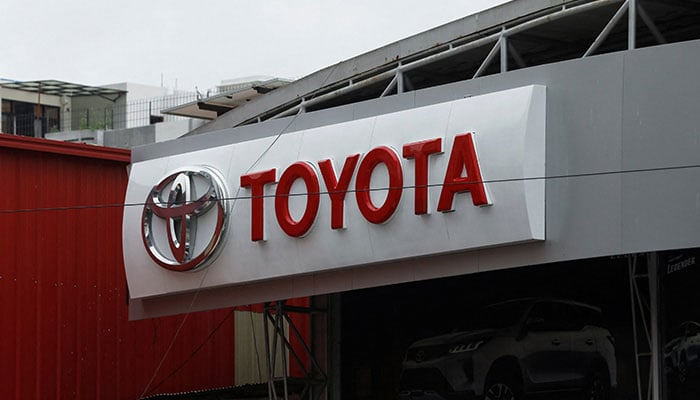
[{"x": 200, "y": 43}]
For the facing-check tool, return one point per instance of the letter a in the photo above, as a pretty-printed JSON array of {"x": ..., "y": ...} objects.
[{"x": 463, "y": 157}]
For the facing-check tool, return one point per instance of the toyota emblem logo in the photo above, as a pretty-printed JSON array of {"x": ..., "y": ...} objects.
[{"x": 185, "y": 218}]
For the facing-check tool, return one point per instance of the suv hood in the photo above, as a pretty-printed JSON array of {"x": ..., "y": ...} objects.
[{"x": 457, "y": 337}]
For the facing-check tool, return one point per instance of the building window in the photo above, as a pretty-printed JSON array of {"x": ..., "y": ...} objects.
[{"x": 20, "y": 118}]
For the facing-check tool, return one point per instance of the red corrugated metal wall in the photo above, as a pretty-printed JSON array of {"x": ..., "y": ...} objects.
[{"x": 64, "y": 329}]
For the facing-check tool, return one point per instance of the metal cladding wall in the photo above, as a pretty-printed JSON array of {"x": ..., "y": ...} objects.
[{"x": 64, "y": 328}]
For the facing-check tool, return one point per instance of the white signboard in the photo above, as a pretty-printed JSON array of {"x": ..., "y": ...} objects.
[{"x": 449, "y": 177}]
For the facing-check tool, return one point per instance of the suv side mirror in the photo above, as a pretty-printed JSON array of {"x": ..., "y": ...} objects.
[
  {"x": 531, "y": 324},
  {"x": 535, "y": 324}
]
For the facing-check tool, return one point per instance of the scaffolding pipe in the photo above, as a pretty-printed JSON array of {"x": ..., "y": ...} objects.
[
  {"x": 271, "y": 393},
  {"x": 652, "y": 270},
  {"x": 280, "y": 332},
  {"x": 632, "y": 268},
  {"x": 504, "y": 54}
]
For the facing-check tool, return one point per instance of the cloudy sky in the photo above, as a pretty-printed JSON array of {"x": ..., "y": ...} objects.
[{"x": 199, "y": 43}]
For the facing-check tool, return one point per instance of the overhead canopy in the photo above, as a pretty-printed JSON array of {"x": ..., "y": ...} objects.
[
  {"x": 212, "y": 106},
  {"x": 61, "y": 88}
]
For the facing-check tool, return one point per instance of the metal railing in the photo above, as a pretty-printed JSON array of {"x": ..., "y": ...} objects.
[{"x": 130, "y": 115}]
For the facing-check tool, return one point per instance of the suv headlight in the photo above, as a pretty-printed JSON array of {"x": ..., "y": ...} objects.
[{"x": 464, "y": 347}]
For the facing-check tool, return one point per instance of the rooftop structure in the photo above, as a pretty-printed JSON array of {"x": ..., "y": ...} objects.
[{"x": 515, "y": 35}]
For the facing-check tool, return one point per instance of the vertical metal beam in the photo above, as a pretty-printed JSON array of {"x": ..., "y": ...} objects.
[
  {"x": 399, "y": 80},
  {"x": 632, "y": 271},
  {"x": 271, "y": 394},
  {"x": 632, "y": 25},
  {"x": 652, "y": 270},
  {"x": 279, "y": 321},
  {"x": 504, "y": 54}
]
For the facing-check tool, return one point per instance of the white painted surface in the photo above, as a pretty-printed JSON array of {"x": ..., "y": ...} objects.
[{"x": 510, "y": 137}]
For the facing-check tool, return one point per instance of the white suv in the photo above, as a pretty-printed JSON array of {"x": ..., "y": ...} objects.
[{"x": 515, "y": 348}]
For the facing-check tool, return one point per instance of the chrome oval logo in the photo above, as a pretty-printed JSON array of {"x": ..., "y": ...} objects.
[{"x": 185, "y": 218}]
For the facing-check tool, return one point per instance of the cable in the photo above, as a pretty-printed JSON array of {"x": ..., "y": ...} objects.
[
  {"x": 486, "y": 181},
  {"x": 234, "y": 199},
  {"x": 196, "y": 350},
  {"x": 177, "y": 332}
]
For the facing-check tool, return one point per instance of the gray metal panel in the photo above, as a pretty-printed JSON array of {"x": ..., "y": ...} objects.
[
  {"x": 661, "y": 129},
  {"x": 605, "y": 114}
]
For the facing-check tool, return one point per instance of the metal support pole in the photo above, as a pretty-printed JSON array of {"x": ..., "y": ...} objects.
[
  {"x": 632, "y": 271},
  {"x": 652, "y": 269},
  {"x": 399, "y": 81},
  {"x": 608, "y": 28},
  {"x": 271, "y": 394},
  {"x": 280, "y": 331},
  {"x": 504, "y": 54},
  {"x": 632, "y": 25}
]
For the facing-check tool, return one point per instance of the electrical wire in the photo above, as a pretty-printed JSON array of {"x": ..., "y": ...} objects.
[
  {"x": 234, "y": 199},
  {"x": 386, "y": 188},
  {"x": 194, "y": 352}
]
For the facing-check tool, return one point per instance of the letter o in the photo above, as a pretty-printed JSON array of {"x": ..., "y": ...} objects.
[
  {"x": 374, "y": 157},
  {"x": 304, "y": 171}
]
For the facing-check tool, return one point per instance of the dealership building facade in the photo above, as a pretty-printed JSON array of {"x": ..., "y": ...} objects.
[{"x": 538, "y": 160}]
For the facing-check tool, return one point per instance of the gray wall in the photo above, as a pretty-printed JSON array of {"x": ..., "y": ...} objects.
[{"x": 623, "y": 168}]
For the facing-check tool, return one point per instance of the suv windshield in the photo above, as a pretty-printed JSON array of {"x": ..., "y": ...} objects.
[{"x": 497, "y": 316}]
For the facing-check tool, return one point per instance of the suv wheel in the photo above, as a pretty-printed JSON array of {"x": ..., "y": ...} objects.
[
  {"x": 598, "y": 387},
  {"x": 682, "y": 369},
  {"x": 501, "y": 391}
]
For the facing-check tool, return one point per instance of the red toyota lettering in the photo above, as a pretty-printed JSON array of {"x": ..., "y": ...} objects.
[
  {"x": 305, "y": 172},
  {"x": 338, "y": 187},
  {"x": 374, "y": 157},
  {"x": 257, "y": 181},
  {"x": 463, "y": 157},
  {"x": 419, "y": 151}
]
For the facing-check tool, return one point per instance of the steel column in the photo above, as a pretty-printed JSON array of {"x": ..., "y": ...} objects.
[
  {"x": 632, "y": 25},
  {"x": 504, "y": 54},
  {"x": 652, "y": 270}
]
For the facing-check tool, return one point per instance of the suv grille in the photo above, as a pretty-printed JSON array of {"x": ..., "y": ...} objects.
[
  {"x": 421, "y": 354},
  {"x": 425, "y": 379}
]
